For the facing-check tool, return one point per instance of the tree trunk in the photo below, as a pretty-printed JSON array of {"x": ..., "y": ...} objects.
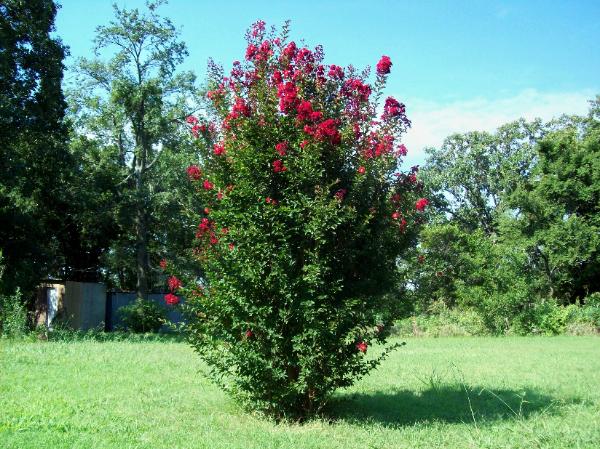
[{"x": 141, "y": 226}]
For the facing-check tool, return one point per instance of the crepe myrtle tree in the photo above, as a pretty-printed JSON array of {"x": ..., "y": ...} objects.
[{"x": 304, "y": 216}]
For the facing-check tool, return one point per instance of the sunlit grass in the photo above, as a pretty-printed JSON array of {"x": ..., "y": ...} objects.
[{"x": 453, "y": 392}]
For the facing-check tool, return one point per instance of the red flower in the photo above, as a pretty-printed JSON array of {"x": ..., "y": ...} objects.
[
  {"x": 281, "y": 148},
  {"x": 249, "y": 334},
  {"x": 278, "y": 166},
  {"x": 251, "y": 51},
  {"x": 277, "y": 78},
  {"x": 384, "y": 65},
  {"x": 240, "y": 108},
  {"x": 206, "y": 210},
  {"x": 219, "y": 195},
  {"x": 393, "y": 108},
  {"x": 396, "y": 215},
  {"x": 290, "y": 50},
  {"x": 194, "y": 172},
  {"x": 208, "y": 185},
  {"x": 163, "y": 264},
  {"x": 191, "y": 120},
  {"x": 336, "y": 72},
  {"x": 340, "y": 194},
  {"x": 231, "y": 246},
  {"x": 219, "y": 149},
  {"x": 361, "y": 346},
  {"x": 288, "y": 96},
  {"x": 174, "y": 283},
  {"x": 361, "y": 170},
  {"x": 327, "y": 130},
  {"x": 171, "y": 299},
  {"x": 304, "y": 110},
  {"x": 421, "y": 204},
  {"x": 402, "y": 151},
  {"x": 303, "y": 143}
]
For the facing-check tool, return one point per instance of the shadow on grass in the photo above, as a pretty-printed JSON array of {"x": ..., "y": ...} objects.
[{"x": 448, "y": 404}]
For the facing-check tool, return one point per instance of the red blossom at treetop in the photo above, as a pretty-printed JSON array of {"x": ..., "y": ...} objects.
[{"x": 384, "y": 65}]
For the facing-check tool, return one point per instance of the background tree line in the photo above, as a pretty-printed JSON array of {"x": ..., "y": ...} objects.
[
  {"x": 92, "y": 177},
  {"x": 514, "y": 231},
  {"x": 91, "y": 181}
]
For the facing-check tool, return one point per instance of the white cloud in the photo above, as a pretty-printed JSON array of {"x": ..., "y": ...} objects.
[{"x": 432, "y": 122}]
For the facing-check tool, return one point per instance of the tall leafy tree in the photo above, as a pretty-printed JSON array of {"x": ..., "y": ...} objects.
[
  {"x": 558, "y": 209},
  {"x": 470, "y": 173},
  {"x": 34, "y": 161},
  {"x": 132, "y": 104}
]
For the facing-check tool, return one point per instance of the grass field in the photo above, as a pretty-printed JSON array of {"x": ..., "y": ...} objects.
[{"x": 433, "y": 393}]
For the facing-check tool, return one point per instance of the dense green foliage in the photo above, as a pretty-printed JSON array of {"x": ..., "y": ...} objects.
[
  {"x": 143, "y": 316},
  {"x": 303, "y": 224},
  {"x": 515, "y": 229},
  {"x": 34, "y": 161},
  {"x": 127, "y": 112}
]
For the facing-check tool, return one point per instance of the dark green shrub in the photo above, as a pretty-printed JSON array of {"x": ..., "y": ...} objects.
[{"x": 143, "y": 316}]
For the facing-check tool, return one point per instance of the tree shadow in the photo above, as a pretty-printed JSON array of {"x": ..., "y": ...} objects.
[{"x": 448, "y": 404}]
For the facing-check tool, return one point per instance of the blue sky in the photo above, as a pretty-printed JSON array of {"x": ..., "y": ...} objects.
[{"x": 458, "y": 65}]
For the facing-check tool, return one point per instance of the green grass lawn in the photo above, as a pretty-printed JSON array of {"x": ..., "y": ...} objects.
[{"x": 433, "y": 393}]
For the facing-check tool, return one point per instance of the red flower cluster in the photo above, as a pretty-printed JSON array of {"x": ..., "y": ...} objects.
[
  {"x": 194, "y": 173},
  {"x": 340, "y": 194},
  {"x": 171, "y": 299},
  {"x": 401, "y": 151},
  {"x": 361, "y": 170},
  {"x": 325, "y": 131},
  {"x": 421, "y": 204},
  {"x": 219, "y": 149},
  {"x": 270, "y": 200},
  {"x": 356, "y": 88},
  {"x": 278, "y": 166},
  {"x": 393, "y": 108},
  {"x": 288, "y": 96},
  {"x": 281, "y": 148},
  {"x": 174, "y": 283},
  {"x": 207, "y": 185},
  {"x": 240, "y": 108},
  {"x": 163, "y": 264},
  {"x": 206, "y": 227},
  {"x": 336, "y": 72},
  {"x": 362, "y": 346},
  {"x": 306, "y": 113},
  {"x": 384, "y": 65}
]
